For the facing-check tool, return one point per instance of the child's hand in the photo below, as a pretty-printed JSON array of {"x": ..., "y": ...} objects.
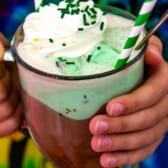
[
  {"x": 135, "y": 123},
  {"x": 11, "y": 109}
]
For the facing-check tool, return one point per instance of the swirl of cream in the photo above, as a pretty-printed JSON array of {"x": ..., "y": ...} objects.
[{"x": 68, "y": 30}]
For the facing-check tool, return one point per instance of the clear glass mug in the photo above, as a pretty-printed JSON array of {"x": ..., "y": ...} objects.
[{"x": 58, "y": 108}]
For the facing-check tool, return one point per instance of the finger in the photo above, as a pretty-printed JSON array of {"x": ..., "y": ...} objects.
[
  {"x": 115, "y": 159},
  {"x": 12, "y": 124},
  {"x": 2, "y": 51},
  {"x": 103, "y": 124},
  {"x": 153, "y": 54},
  {"x": 8, "y": 106},
  {"x": 152, "y": 90},
  {"x": 5, "y": 84},
  {"x": 12, "y": 68},
  {"x": 129, "y": 141},
  {"x": 154, "y": 40},
  {"x": 150, "y": 93},
  {"x": 4, "y": 41}
]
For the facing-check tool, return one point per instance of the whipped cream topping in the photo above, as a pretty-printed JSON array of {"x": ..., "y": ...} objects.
[{"x": 69, "y": 29}]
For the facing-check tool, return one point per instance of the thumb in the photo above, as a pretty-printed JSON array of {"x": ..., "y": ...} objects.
[
  {"x": 153, "y": 54},
  {"x": 4, "y": 41},
  {"x": 2, "y": 51}
]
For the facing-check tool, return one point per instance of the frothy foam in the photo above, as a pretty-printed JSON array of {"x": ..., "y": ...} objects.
[{"x": 103, "y": 55}]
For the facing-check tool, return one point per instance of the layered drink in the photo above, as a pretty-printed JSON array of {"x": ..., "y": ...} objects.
[{"x": 66, "y": 55}]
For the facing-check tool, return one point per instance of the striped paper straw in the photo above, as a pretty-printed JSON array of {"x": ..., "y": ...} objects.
[
  {"x": 140, "y": 22},
  {"x": 37, "y": 3}
]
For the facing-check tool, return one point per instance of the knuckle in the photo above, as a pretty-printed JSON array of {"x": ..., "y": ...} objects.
[
  {"x": 146, "y": 120},
  {"x": 123, "y": 126},
  {"x": 132, "y": 103},
  {"x": 126, "y": 160},
  {"x": 135, "y": 159},
  {"x": 134, "y": 144},
  {"x": 154, "y": 119},
  {"x": 155, "y": 135},
  {"x": 142, "y": 120},
  {"x": 158, "y": 91}
]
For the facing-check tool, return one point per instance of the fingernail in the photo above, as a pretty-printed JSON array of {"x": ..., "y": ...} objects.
[
  {"x": 116, "y": 109},
  {"x": 103, "y": 143},
  {"x": 111, "y": 161},
  {"x": 100, "y": 127},
  {"x": 155, "y": 49}
]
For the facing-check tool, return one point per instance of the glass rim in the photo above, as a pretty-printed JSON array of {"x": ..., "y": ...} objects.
[{"x": 19, "y": 60}]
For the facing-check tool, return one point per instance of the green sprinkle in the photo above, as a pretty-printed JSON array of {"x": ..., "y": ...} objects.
[
  {"x": 78, "y": 3},
  {"x": 51, "y": 40},
  {"x": 89, "y": 13},
  {"x": 70, "y": 63},
  {"x": 93, "y": 22},
  {"x": 64, "y": 44},
  {"x": 99, "y": 48},
  {"x": 80, "y": 29},
  {"x": 102, "y": 26},
  {"x": 72, "y": 5},
  {"x": 60, "y": 58},
  {"x": 85, "y": 96},
  {"x": 64, "y": 11},
  {"x": 75, "y": 11},
  {"x": 89, "y": 58},
  {"x": 69, "y": 1},
  {"x": 62, "y": 15},
  {"x": 85, "y": 20},
  {"x": 93, "y": 16},
  {"x": 85, "y": 100},
  {"x": 93, "y": 10},
  {"x": 86, "y": 8}
]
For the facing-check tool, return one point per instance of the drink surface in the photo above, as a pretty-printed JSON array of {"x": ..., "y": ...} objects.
[{"x": 83, "y": 43}]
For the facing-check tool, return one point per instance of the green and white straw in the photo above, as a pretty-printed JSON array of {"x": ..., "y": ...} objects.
[
  {"x": 37, "y": 3},
  {"x": 140, "y": 22}
]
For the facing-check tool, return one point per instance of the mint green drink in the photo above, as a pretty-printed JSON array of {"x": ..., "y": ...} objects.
[{"x": 67, "y": 74}]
